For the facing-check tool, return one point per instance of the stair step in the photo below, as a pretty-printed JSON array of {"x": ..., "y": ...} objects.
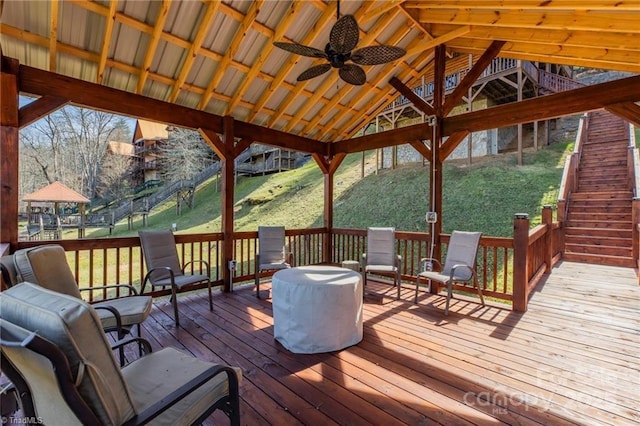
[
  {"x": 599, "y": 187},
  {"x": 600, "y": 216},
  {"x": 590, "y": 240},
  {"x": 612, "y": 224},
  {"x": 595, "y": 173},
  {"x": 599, "y": 232},
  {"x": 624, "y": 196},
  {"x": 598, "y": 259},
  {"x": 601, "y": 207},
  {"x": 598, "y": 249}
]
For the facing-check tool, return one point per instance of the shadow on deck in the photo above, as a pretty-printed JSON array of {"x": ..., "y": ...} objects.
[{"x": 573, "y": 358}]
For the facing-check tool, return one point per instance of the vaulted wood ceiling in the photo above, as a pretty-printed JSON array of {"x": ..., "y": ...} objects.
[{"x": 219, "y": 57}]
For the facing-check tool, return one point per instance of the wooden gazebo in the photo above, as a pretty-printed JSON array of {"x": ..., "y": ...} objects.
[
  {"x": 212, "y": 66},
  {"x": 56, "y": 194}
]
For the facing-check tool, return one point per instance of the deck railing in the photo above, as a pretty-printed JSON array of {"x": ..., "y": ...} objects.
[
  {"x": 633, "y": 166},
  {"x": 119, "y": 260}
]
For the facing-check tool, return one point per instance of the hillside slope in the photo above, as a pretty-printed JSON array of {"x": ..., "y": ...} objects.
[{"x": 482, "y": 197}]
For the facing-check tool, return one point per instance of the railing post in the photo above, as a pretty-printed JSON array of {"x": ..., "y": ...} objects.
[
  {"x": 547, "y": 219},
  {"x": 520, "y": 276}
]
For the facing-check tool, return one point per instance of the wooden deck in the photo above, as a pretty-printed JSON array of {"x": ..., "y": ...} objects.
[{"x": 573, "y": 358}]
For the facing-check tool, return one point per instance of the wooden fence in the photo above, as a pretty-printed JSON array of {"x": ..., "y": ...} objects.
[{"x": 508, "y": 268}]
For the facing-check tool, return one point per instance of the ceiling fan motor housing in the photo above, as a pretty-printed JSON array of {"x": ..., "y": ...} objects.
[{"x": 336, "y": 59}]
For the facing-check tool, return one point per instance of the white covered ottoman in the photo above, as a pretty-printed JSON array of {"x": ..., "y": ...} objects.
[{"x": 317, "y": 308}]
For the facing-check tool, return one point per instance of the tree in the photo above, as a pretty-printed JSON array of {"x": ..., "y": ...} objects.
[
  {"x": 114, "y": 181},
  {"x": 69, "y": 145},
  {"x": 184, "y": 154}
]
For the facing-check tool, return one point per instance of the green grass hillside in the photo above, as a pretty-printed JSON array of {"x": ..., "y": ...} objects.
[{"x": 483, "y": 196}]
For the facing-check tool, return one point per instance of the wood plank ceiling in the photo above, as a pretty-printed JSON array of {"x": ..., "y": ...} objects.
[{"x": 219, "y": 57}]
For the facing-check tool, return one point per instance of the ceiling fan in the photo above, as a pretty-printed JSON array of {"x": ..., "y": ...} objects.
[{"x": 342, "y": 40}]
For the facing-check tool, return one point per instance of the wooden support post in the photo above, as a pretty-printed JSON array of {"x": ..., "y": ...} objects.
[
  {"x": 436, "y": 142},
  {"x": 520, "y": 273},
  {"x": 547, "y": 219},
  {"x": 520, "y": 84},
  {"x": 9, "y": 151},
  {"x": 328, "y": 218},
  {"x": 328, "y": 165},
  {"x": 228, "y": 190}
]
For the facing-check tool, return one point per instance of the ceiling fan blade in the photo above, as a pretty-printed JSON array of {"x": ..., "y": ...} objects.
[
  {"x": 375, "y": 55},
  {"x": 314, "y": 72},
  {"x": 344, "y": 35},
  {"x": 300, "y": 49},
  {"x": 353, "y": 74}
]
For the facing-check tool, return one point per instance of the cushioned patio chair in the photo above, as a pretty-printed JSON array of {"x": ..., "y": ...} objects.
[
  {"x": 163, "y": 267},
  {"x": 55, "y": 352},
  {"x": 459, "y": 265},
  {"x": 381, "y": 256},
  {"x": 47, "y": 266},
  {"x": 272, "y": 252}
]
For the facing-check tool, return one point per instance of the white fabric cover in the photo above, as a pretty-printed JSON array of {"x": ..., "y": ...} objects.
[{"x": 317, "y": 308}]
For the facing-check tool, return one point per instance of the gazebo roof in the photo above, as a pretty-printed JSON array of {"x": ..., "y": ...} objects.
[
  {"x": 219, "y": 56},
  {"x": 56, "y": 192}
]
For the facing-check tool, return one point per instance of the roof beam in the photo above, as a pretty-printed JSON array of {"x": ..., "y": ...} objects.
[
  {"x": 575, "y": 101},
  {"x": 106, "y": 40},
  {"x": 445, "y": 38},
  {"x": 409, "y": 134},
  {"x": 194, "y": 48},
  {"x": 153, "y": 44},
  {"x": 547, "y": 56},
  {"x": 570, "y": 20},
  {"x": 39, "y": 108},
  {"x": 39, "y": 82},
  {"x": 628, "y": 111},
  {"x": 557, "y": 38},
  {"x": 584, "y": 5},
  {"x": 239, "y": 36},
  {"x": 409, "y": 74},
  {"x": 451, "y": 144},
  {"x": 267, "y": 136},
  {"x": 53, "y": 34},
  {"x": 546, "y": 107},
  {"x": 294, "y": 9},
  {"x": 416, "y": 100},
  {"x": 474, "y": 73}
]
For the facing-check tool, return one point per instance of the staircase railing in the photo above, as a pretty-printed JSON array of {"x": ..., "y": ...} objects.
[
  {"x": 556, "y": 83},
  {"x": 569, "y": 182},
  {"x": 633, "y": 166}
]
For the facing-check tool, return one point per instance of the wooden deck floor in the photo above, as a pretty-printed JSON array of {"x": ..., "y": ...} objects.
[{"x": 573, "y": 358}]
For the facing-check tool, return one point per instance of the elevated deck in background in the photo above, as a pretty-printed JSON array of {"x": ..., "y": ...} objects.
[{"x": 573, "y": 358}]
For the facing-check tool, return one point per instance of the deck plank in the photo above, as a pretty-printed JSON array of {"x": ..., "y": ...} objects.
[{"x": 572, "y": 359}]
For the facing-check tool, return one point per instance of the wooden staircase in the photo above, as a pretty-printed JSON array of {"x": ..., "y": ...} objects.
[{"x": 599, "y": 223}]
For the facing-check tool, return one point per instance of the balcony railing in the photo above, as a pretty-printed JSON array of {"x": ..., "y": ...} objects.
[{"x": 508, "y": 268}]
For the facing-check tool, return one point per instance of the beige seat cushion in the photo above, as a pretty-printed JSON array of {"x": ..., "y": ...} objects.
[
  {"x": 133, "y": 310},
  {"x": 177, "y": 368}
]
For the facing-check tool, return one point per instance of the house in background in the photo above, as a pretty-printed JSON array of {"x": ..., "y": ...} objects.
[{"x": 148, "y": 137}]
